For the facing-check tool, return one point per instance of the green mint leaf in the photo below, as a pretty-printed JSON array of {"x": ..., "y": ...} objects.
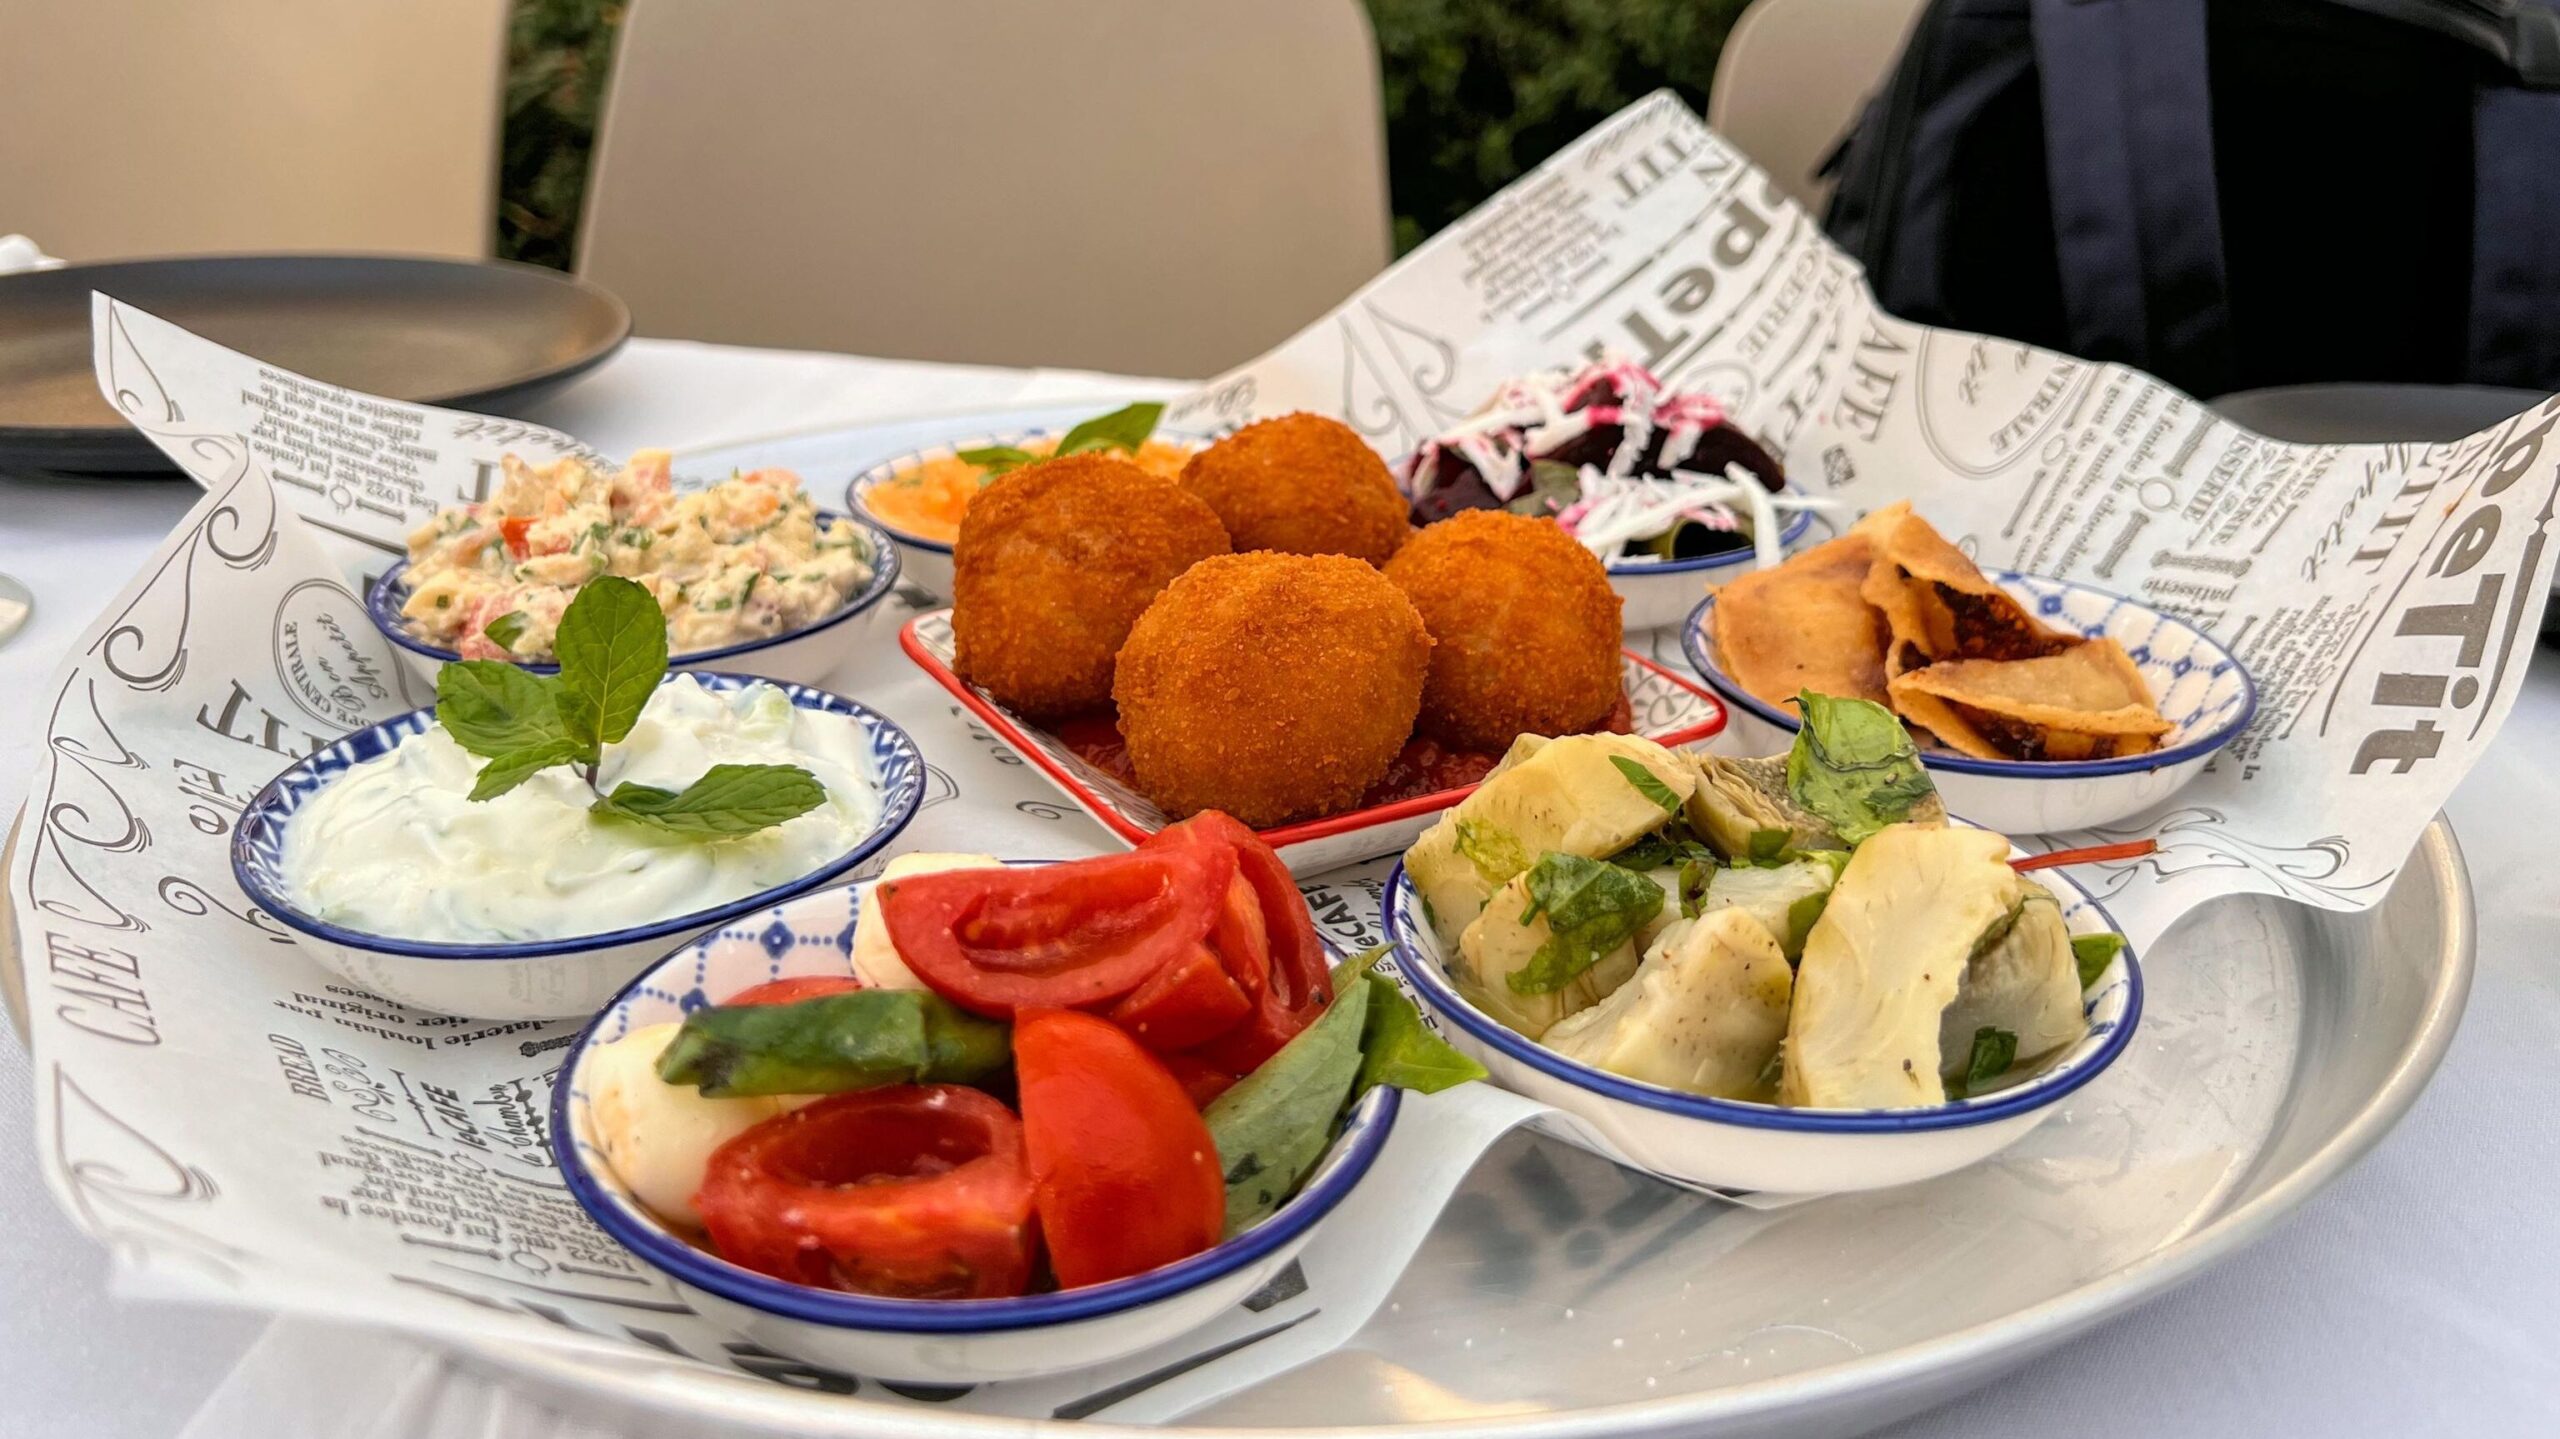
[
  {"x": 612, "y": 651},
  {"x": 1495, "y": 854},
  {"x": 491, "y": 708},
  {"x": 1670, "y": 845},
  {"x": 503, "y": 630},
  {"x": 1802, "y": 916},
  {"x": 729, "y": 799},
  {"x": 1647, "y": 784},
  {"x": 1273, "y": 1125},
  {"x": 1854, "y": 765},
  {"x": 2094, "y": 953},
  {"x": 998, "y": 460},
  {"x": 1994, "y": 1050},
  {"x": 1591, "y": 908},
  {"x": 1767, "y": 847},
  {"x": 513, "y": 768},
  {"x": 1123, "y": 429}
]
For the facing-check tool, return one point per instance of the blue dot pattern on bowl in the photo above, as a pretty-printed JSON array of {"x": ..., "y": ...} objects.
[{"x": 258, "y": 843}]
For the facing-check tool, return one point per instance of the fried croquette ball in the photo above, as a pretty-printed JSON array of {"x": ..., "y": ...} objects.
[
  {"x": 1054, "y": 562},
  {"x": 1303, "y": 485},
  {"x": 1524, "y": 629},
  {"x": 1274, "y": 687}
]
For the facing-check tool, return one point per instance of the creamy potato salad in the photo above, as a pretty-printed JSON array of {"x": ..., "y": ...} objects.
[{"x": 745, "y": 559}]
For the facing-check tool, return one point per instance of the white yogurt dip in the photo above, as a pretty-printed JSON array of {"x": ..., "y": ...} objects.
[{"x": 396, "y": 847}]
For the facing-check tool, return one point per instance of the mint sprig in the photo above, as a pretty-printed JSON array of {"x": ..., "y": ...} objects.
[
  {"x": 613, "y": 651},
  {"x": 1125, "y": 429}
]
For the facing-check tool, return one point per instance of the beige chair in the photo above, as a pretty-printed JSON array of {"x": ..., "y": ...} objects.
[
  {"x": 1154, "y": 186},
  {"x": 1792, "y": 76},
  {"x": 144, "y": 127}
]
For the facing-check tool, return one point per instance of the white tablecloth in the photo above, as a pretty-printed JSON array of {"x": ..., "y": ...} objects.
[{"x": 2420, "y": 1295}]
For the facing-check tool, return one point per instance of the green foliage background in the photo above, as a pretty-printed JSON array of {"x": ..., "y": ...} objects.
[{"x": 1477, "y": 91}]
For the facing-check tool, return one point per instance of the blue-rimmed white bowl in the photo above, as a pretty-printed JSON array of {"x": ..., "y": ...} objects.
[
  {"x": 800, "y": 656},
  {"x": 1660, "y": 592},
  {"x": 2201, "y": 688},
  {"x": 931, "y": 1341},
  {"x": 534, "y": 979},
  {"x": 1730, "y": 1144},
  {"x": 927, "y": 561}
]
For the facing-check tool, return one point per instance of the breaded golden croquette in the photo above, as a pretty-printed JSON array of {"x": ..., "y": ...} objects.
[
  {"x": 1524, "y": 629},
  {"x": 1055, "y": 561},
  {"x": 1304, "y": 485},
  {"x": 1274, "y": 687}
]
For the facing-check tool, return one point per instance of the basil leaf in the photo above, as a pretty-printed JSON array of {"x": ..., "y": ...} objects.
[
  {"x": 491, "y": 708},
  {"x": 1123, "y": 429},
  {"x": 1273, "y": 1125},
  {"x": 998, "y": 460},
  {"x": 1694, "y": 875},
  {"x": 2094, "y": 953},
  {"x": 860, "y": 1039},
  {"x": 516, "y": 766},
  {"x": 612, "y": 651},
  {"x": 1854, "y": 765},
  {"x": 1397, "y": 1047},
  {"x": 1994, "y": 1050},
  {"x": 504, "y": 630},
  {"x": 1647, "y": 784},
  {"x": 1767, "y": 847},
  {"x": 729, "y": 799},
  {"x": 1802, "y": 916},
  {"x": 1672, "y": 844},
  {"x": 1591, "y": 909}
]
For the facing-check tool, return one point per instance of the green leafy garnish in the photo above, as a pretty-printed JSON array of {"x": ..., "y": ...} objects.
[
  {"x": 1669, "y": 845},
  {"x": 1397, "y": 1047},
  {"x": 1647, "y": 783},
  {"x": 2095, "y": 952},
  {"x": 1802, "y": 916},
  {"x": 1495, "y": 854},
  {"x": 1591, "y": 908},
  {"x": 998, "y": 460},
  {"x": 1994, "y": 1050},
  {"x": 1553, "y": 487},
  {"x": 1854, "y": 765},
  {"x": 1767, "y": 847},
  {"x": 504, "y": 630},
  {"x": 1124, "y": 429},
  {"x": 613, "y": 651},
  {"x": 1694, "y": 876},
  {"x": 861, "y": 1039},
  {"x": 728, "y": 799},
  {"x": 1274, "y": 1124}
]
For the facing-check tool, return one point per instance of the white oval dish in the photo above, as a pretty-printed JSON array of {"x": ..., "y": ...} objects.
[
  {"x": 535, "y": 979},
  {"x": 1727, "y": 1144},
  {"x": 925, "y": 1341},
  {"x": 802, "y": 656},
  {"x": 2201, "y": 688},
  {"x": 1663, "y": 592},
  {"x": 927, "y": 562}
]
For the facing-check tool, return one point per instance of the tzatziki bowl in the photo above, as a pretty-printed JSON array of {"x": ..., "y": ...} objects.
[
  {"x": 900, "y": 1270},
  {"x": 528, "y": 905}
]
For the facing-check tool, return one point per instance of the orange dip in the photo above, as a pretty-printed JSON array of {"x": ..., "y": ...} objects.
[{"x": 927, "y": 499}]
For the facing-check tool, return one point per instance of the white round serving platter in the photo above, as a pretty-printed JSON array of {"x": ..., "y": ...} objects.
[{"x": 1564, "y": 1298}]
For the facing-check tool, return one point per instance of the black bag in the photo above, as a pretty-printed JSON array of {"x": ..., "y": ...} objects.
[{"x": 2227, "y": 195}]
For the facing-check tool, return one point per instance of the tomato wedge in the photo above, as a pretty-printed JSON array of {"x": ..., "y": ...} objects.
[
  {"x": 1123, "y": 1171},
  {"x": 1190, "y": 1001},
  {"x": 1062, "y": 936},
  {"x": 911, "y": 1191},
  {"x": 1199, "y": 1079},
  {"x": 794, "y": 989},
  {"x": 512, "y": 531},
  {"x": 1300, "y": 983},
  {"x": 1241, "y": 938}
]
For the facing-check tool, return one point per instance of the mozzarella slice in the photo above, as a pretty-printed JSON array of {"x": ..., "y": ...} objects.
[{"x": 659, "y": 1136}]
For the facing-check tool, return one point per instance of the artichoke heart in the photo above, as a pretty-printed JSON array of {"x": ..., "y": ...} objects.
[
  {"x": 1884, "y": 962},
  {"x": 1499, "y": 945},
  {"x": 1780, "y": 896},
  {"x": 1704, "y": 1013},
  {"x": 1573, "y": 795},
  {"x": 1744, "y": 808},
  {"x": 2022, "y": 980}
]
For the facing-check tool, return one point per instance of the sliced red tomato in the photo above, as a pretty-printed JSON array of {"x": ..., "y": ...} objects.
[
  {"x": 512, "y": 530},
  {"x": 793, "y": 990},
  {"x": 1199, "y": 1079},
  {"x": 1190, "y": 1001},
  {"x": 1062, "y": 936},
  {"x": 1300, "y": 983},
  {"x": 1241, "y": 938},
  {"x": 1123, "y": 1171},
  {"x": 911, "y": 1191}
]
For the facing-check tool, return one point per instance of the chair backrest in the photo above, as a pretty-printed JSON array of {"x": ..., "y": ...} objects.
[
  {"x": 1794, "y": 73},
  {"x": 1135, "y": 185},
  {"x": 131, "y": 128}
]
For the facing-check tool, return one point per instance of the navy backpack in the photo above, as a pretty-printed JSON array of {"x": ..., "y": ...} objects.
[{"x": 2229, "y": 194}]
